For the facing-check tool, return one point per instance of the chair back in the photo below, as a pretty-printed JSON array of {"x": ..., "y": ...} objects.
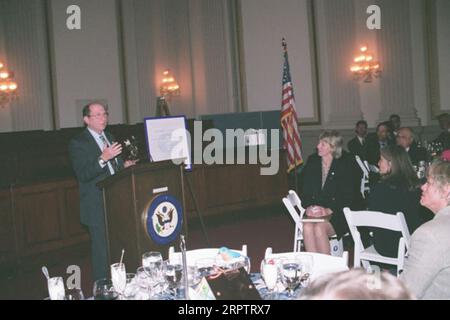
[
  {"x": 381, "y": 220},
  {"x": 365, "y": 178},
  {"x": 294, "y": 206}
]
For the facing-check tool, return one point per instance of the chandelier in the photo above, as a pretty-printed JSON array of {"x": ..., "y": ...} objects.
[
  {"x": 168, "y": 88},
  {"x": 8, "y": 88},
  {"x": 365, "y": 67}
]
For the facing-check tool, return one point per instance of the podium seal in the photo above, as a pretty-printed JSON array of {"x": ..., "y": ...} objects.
[{"x": 163, "y": 219}]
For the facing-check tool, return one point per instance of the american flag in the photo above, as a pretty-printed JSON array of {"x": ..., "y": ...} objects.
[{"x": 291, "y": 136}]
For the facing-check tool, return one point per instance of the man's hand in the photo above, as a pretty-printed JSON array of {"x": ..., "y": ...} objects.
[
  {"x": 129, "y": 163},
  {"x": 111, "y": 152}
]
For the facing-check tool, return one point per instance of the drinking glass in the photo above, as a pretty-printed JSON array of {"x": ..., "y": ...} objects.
[
  {"x": 152, "y": 262},
  {"x": 131, "y": 287},
  {"x": 291, "y": 274},
  {"x": 173, "y": 273},
  {"x": 119, "y": 277},
  {"x": 269, "y": 272},
  {"x": 104, "y": 290},
  {"x": 74, "y": 294},
  {"x": 307, "y": 263},
  {"x": 56, "y": 288}
]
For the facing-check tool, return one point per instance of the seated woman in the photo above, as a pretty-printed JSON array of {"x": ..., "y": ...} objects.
[
  {"x": 427, "y": 269},
  {"x": 397, "y": 191},
  {"x": 328, "y": 186}
]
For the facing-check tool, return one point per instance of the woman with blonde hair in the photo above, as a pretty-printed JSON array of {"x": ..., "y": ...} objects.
[
  {"x": 427, "y": 269},
  {"x": 328, "y": 186}
]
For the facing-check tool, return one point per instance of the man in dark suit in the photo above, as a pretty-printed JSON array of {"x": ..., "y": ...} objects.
[
  {"x": 444, "y": 137},
  {"x": 405, "y": 139},
  {"x": 357, "y": 146},
  {"x": 95, "y": 156},
  {"x": 378, "y": 141}
]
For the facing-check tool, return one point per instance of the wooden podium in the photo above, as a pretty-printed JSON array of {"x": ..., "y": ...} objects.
[{"x": 126, "y": 195}]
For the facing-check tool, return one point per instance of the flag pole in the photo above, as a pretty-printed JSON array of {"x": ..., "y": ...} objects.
[{"x": 284, "y": 45}]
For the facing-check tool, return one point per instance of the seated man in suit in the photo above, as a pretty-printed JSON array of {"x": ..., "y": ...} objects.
[
  {"x": 377, "y": 142},
  {"x": 405, "y": 139},
  {"x": 357, "y": 146},
  {"x": 444, "y": 137}
]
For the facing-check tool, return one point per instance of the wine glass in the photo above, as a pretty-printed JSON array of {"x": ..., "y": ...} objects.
[
  {"x": 307, "y": 269},
  {"x": 145, "y": 284},
  {"x": 291, "y": 274},
  {"x": 56, "y": 288},
  {"x": 119, "y": 277},
  {"x": 173, "y": 273},
  {"x": 152, "y": 262},
  {"x": 74, "y": 294},
  {"x": 104, "y": 290},
  {"x": 269, "y": 272},
  {"x": 131, "y": 287}
]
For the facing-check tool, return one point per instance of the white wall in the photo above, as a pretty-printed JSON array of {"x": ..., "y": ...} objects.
[
  {"x": 264, "y": 24},
  {"x": 86, "y": 61},
  {"x": 197, "y": 40},
  {"x": 443, "y": 50}
]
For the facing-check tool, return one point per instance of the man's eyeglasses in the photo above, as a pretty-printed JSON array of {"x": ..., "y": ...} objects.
[{"x": 99, "y": 115}]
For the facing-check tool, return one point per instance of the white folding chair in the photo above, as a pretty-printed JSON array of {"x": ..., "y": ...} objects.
[
  {"x": 365, "y": 178},
  {"x": 382, "y": 220},
  {"x": 193, "y": 255},
  {"x": 294, "y": 205},
  {"x": 322, "y": 263}
]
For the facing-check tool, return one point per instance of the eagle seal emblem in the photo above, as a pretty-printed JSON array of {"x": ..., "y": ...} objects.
[{"x": 163, "y": 219}]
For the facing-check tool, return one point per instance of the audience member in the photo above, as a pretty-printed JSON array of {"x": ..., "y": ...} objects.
[
  {"x": 328, "y": 187},
  {"x": 427, "y": 269},
  {"x": 357, "y": 284},
  {"x": 357, "y": 146},
  {"x": 405, "y": 139},
  {"x": 397, "y": 191},
  {"x": 444, "y": 137},
  {"x": 377, "y": 142}
]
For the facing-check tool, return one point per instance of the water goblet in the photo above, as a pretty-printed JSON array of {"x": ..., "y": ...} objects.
[
  {"x": 173, "y": 273},
  {"x": 291, "y": 274},
  {"x": 104, "y": 290},
  {"x": 152, "y": 262},
  {"x": 131, "y": 287},
  {"x": 307, "y": 263}
]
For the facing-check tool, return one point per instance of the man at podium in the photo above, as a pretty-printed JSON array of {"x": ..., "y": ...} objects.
[{"x": 95, "y": 156}]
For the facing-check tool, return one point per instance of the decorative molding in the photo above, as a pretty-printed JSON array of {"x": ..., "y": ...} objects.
[
  {"x": 344, "y": 101},
  {"x": 26, "y": 43},
  {"x": 394, "y": 41}
]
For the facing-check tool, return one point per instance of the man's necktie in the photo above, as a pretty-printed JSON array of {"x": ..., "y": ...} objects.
[{"x": 113, "y": 162}]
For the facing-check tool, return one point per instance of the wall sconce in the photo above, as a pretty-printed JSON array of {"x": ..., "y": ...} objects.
[
  {"x": 365, "y": 67},
  {"x": 169, "y": 88},
  {"x": 8, "y": 88}
]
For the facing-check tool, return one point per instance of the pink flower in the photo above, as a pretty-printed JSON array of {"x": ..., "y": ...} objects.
[{"x": 445, "y": 155}]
